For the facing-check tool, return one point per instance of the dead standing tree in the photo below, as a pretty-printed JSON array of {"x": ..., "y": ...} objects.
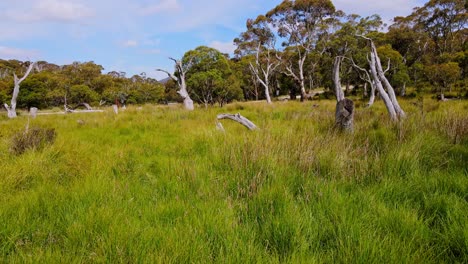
[
  {"x": 344, "y": 115},
  {"x": 12, "y": 109},
  {"x": 179, "y": 77},
  {"x": 380, "y": 81}
]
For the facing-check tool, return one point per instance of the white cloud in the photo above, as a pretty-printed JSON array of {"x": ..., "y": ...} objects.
[
  {"x": 50, "y": 10},
  {"x": 386, "y": 9},
  {"x": 130, "y": 43},
  {"x": 161, "y": 6},
  {"x": 152, "y": 51},
  {"x": 224, "y": 47},
  {"x": 15, "y": 53}
]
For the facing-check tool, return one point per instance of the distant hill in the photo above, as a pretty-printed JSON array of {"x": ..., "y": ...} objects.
[{"x": 165, "y": 80}]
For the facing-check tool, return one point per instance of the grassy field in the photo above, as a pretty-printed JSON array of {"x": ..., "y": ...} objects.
[{"x": 160, "y": 184}]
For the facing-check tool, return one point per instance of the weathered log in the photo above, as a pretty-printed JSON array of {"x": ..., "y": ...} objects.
[
  {"x": 240, "y": 119},
  {"x": 74, "y": 112},
  {"x": 344, "y": 116}
]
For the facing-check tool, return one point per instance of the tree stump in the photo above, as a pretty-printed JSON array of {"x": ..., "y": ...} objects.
[
  {"x": 344, "y": 116},
  {"x": 33, "y": 112}
]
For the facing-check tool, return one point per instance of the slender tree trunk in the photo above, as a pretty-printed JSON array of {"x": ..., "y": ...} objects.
[
  {"x": 403, "y": 90},
  {"x": 336, "y": 79},
  {"x": 372, "y": 95},
  {"x": 365, "y": 94},
  {"x": 267, "y": 92}
]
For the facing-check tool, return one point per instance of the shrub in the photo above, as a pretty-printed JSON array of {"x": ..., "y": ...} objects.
[{"x": 34, "y": 138}]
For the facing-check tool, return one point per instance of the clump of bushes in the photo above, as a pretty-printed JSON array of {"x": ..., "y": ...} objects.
[{"x": 32, "y": 138}]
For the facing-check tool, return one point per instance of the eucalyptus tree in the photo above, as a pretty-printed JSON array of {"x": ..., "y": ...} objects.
[
  {"x": 300, "y": 24},
  {"x": 259, "y": 40},
  {"x": 433, "y": 37},
  {"x": 445, "y": 22},
  {"x": 210, "y": 77}
]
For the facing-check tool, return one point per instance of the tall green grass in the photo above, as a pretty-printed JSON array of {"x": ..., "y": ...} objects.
[{"x": 163, "y": 185}]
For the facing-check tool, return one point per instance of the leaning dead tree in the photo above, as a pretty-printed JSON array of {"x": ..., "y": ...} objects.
[
  {"x": 383, "y": 86},
  {"x": 238, "y": 118},
  {"x": 344, "y": 115},
  {"x": 12, "y": 109},
  {"x": 179, "y": 77}
]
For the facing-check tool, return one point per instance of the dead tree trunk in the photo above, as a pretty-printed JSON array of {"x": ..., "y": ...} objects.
[
  {"x": 239, "y": 119},
  {"x": 33, "y": 112},
  {"x": 372, "y": 95},
  {"x": 12, "y": 109},
  {"x": 336, "y": 79},
  {"x": 344, "y": 115},
  {"x": 180, "y": 79},
  {"x": 390, "y": 90},
  {"x": 382, "y": 92}
]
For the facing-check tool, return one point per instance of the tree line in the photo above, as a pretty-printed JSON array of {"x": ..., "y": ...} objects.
[{"x": 303, "y": 48}]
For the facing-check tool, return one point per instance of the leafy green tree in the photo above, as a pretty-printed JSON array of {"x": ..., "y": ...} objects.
[
  {"x": 443, "y": 75},
  {"x": 208, "y": 70},
  {"x": 81, "y": 94},
  {"x": 300, "y": 24}
]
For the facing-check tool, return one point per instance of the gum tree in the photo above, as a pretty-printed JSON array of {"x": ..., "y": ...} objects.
[
  {"x": 260, "y": 41},
  {"x": 300, "y": 24}
]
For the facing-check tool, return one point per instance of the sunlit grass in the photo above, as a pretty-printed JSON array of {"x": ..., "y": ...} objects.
[{"x": 160, "y": 184}]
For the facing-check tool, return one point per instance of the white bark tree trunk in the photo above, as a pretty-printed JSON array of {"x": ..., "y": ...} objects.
[
  {"x": 12, "y": 109},
  {"x": 382, "y": 92},
  {"x": 336, "y": 79},
  {"x": 180, "y": 79},
  {"x": 238, "y": 118},
  {"x": 390, "y": 90},
  {"x": 33, "y": 112},
  {"x": 372, "y": 95}
]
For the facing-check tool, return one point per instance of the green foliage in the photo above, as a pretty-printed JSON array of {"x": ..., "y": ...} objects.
[
  {"x": 210, "y": 79},
  {"x": 82, "y": 94},
  {"x": 443, "y": 75}
]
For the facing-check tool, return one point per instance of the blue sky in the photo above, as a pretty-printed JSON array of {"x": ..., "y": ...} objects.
[{"x": 138, "y": 35}]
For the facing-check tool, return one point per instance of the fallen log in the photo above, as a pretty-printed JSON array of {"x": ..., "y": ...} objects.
[
  {"x": 239, "y": 119},
  {"x": 73, "y": 112}
]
